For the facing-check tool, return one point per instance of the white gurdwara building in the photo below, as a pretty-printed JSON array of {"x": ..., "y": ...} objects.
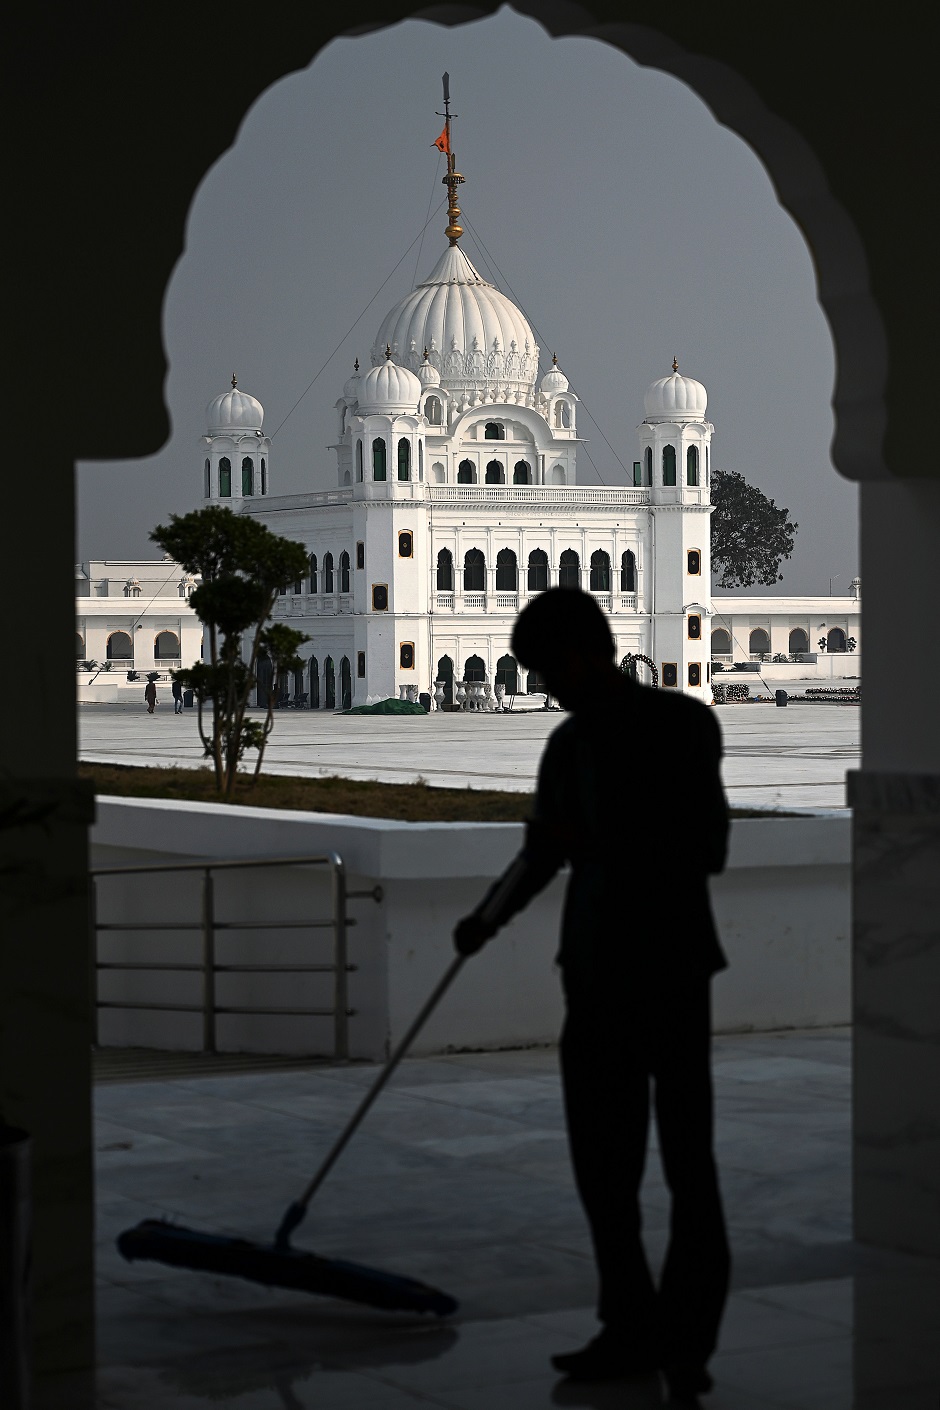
[{"x": 457, "y": 500}]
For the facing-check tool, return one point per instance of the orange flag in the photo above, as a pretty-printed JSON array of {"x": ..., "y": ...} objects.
[{"x": 442, "y": 143}]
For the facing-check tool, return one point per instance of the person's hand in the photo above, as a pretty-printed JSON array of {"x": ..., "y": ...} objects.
[{"x": 471, "y": 934}]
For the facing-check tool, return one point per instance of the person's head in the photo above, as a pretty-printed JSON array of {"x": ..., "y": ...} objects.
[{"x": 564, "y": 635}]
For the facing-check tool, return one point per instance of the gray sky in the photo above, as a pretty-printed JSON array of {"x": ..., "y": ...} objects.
[{"x": 629, "y": 225}]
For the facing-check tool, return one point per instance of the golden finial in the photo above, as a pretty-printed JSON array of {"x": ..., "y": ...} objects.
[
  {"x": 426, "y": 355},
  {"x": 453, "y": 179},
  {"x": 554, "y": 359},
  {"x": 675, "y": 365},
  {"x": 388, "y": 351},
  {"x": 356, "y": 365},
  {"x": 234, "y": 381}
]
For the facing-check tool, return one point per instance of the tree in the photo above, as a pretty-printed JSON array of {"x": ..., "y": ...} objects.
[
  {"x": 243, "y": 568},
  {"x": 750, "y": 536}
]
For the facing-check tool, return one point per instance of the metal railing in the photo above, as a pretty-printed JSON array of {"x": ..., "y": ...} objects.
[{"x": 209, "y": 926}]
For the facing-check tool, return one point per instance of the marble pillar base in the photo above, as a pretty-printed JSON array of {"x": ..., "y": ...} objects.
[{"x": 896, "y": 1009}]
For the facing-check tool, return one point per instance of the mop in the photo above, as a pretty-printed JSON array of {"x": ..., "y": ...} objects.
[{"x": 278, "y": 1264}]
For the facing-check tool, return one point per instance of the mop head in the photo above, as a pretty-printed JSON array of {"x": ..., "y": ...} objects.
[{"x": 282, "y": 1267}]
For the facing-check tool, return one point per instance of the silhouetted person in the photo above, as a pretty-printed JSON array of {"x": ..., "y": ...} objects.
[
  {"x": 177, "y": 698},
  {"x": 150, "y": 695},
  {"x": 629, "y": 794}
]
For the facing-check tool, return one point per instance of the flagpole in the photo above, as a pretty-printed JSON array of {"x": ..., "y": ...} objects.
[{"x": 453, "y": 179}]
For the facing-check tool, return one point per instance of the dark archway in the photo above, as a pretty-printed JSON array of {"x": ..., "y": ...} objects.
[
  {"x": 629, "y": 667},
  {"x": 445, "y": 673},
  {"x": 329, "y": 684},
  {"x": 345, "y": 682},
  {"x": 314, "y": 679},
  {"x": 507, "y": 674},
  {"x": 474, "y": 669},
  {"x": 120, "y": 647}
]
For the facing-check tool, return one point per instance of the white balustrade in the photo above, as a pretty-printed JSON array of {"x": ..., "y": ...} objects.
[{"x": 475, "y": 601}]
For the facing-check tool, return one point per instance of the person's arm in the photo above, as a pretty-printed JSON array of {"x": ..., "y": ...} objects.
[
  {"x": 716, "y": 819},
  {"x": 544, "y": 851}
]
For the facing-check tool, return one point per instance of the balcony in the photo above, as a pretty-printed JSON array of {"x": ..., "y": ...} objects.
[
  {"x": 507, "y": 602},
  {"x": 474, "y": 601},
  {"x": 444, "y": 601}
]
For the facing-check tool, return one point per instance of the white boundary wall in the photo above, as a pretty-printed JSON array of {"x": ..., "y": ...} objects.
[{"x": 782, "y": 908}]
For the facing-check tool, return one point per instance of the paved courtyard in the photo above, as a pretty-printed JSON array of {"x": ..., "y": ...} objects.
[
  {"x": 460, "y": 1176},
  {"x": 793, "y": 757}
]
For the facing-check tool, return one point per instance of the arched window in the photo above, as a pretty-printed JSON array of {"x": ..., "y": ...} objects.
[
  {"x": 432, "y": 410},
  {"x": 313, "y": 573},
  {"x": 344, "y": 571},
  {"x": 264, "y": 476},
  {"x": 265, "y": 674},
  {"x": 421, "y": 460},
  {"x": 691, "y": 466},
  {"x": 507, "y": 674},
  {"x": 208, "y": 478},
  {"x": 328, "y": 572},
  {"x": 466, "y": 474},
  {"x": 314, "y": 668},
  {"x": 359, "y": 461},
  {"x": 120, "y": 647},
  {"x": 225, "y": 478},
  {"x": 648, "y": 466},
  {"x": 522, "y": 473},
  {"x": 474, "y": 669},
  {"x": 445, "y": 674},
  {"x": 445, "y": 570},
  {"x": 378, "y": 459},
  {"x": 507, "y": 576},
  {"x": 835, "y": 640},
  {"x": 494, "y": 472},
  {"x": 558, "y": 474},
  {"x": 345, "y": 683},
  {"x": 669, "y": 465},
  {"x": 166, "y": 647},
  {"x": 758, "y": 643},
  {"x": 329, "y": 684},
  {"x": 404, "y": 459},
  {"x": 79, "y": 646},
  {"x": 628, "y": 571},
  {"x": 538, "y": 570},
  {"x": 438, "y": 473},
  {"x": 721, "y": 642},
  {"x": 798, "y": 643},
  {"x": 248, "y": 476},
  {"x": 569, "y": 569},
  {"x": 474, "y": 571},
  {"x": 562, "y": 416},
  {"x": 494, "y": 432},
  {"x": 600, "y": 571}
]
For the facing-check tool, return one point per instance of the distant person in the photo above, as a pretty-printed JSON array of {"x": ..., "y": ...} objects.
[
  {"x": 629, "y": 794},
  {"x": 177, "y": 698},
  {"x": 150, "y": 695}
]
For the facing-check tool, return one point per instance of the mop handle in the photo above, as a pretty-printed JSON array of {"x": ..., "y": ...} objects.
[{"x": 298, "y": 1209}]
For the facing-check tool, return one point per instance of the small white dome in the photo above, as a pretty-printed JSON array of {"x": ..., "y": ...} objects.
[
  {"x": 389, "y": 390},
  {"x": 351, "y": 389},
  {"x": 554, "y": 380},
  {"x": 676, "y": 396},
  {"x": 234, "y": 411},
  {"x": 427, "y": 374}
]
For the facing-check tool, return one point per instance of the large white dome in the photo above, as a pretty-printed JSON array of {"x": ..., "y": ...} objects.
[
  {"x": 476, "y": 338},
  {"x": 234, "y": 411},
  {"x": 676, "y": 396},
  {"x": 389, "y": 390}
]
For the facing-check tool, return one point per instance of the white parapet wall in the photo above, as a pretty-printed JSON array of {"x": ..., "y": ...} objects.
[{"x": 782, "y": 908}]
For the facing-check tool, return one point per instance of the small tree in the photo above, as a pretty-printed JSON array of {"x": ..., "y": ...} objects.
[
  {"x": 750, "y": 536},
  {"x": 243, "y": 566},
  {"x": 851, "y": 643},
  {"x": 821, "y": 643},
  {"x": 278, "y": 645}
]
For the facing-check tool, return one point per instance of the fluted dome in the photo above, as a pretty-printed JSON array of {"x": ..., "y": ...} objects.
[
  {"x": 351, "y": 389},
  {"x": 234, "y": 411},
  {"x": 554, "y": 381},
  {"x": 428, "y": 374},
  {"x": 477, "y": 340},
  {"x": 389, "y": 390},
  {"x": 676, "y": 396}
]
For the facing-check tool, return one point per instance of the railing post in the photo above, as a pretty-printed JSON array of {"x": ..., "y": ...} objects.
[
  {"x": 208, "y": 961},
  {"x": 340, "y": 978}
]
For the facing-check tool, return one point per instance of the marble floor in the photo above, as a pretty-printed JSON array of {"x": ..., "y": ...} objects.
[
  {"x": 460, "y": 1176},
  {"x": 795, "y": 757}
]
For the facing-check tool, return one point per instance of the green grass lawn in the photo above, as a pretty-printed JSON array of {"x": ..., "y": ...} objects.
[{"x": 405, "y": 802}]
